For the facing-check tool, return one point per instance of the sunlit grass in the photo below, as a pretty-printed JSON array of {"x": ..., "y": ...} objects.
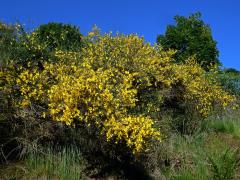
[
  {"x": 199, "y": 157},
  {"x": 64, "y": 163},
  {"x": 229, "y": 123}
]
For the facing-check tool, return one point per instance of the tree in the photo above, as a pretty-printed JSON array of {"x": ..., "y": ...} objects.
[
  {"x": 59, "y": 36},
  {"x": 191, "y": 37},
  {"x": 40, "y": 45},
  {"x": 232, "y": 71},
  {"x": 9, "y": 41}
]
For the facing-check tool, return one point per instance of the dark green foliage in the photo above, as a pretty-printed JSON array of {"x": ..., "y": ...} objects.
[
  {"x": 230, "y": 81},
  {"x": 9, "y": 41},
  {"x": 15, "y": 44},
  {"x": 23, "y": 47},
  {"x": 59, "y": 36},
  {"x": 232, "y": 71},
  {"x": 40, "y": 45},
  {"x": 191, "y": 37}
]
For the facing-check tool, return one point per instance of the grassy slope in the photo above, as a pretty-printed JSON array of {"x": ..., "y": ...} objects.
[{"x": 211, "y": 154}]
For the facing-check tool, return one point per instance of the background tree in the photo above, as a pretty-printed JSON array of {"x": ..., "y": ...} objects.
[
  {"x": 229, "y": 78},
  {"x": 232, "y": 71},
  {"x": 59, "y": 36},
  {"x": 40, "y": 45},
  {"x": 191, "y": 36},
  {"x": 9, "y": 41}
]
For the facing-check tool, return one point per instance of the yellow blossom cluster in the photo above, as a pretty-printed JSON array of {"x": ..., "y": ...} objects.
[
  {"x": 201, "y": 89},
  {"x": 133, "y": 129}
]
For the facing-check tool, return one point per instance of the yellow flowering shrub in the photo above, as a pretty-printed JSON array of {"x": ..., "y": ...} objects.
[
  {"x": 92, "y": 96},
  {"x": 201, "y": 89},
  {"x": 105, "y": 86}
]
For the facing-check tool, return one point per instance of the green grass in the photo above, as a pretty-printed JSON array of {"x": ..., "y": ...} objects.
[
  {"x": 226, "y": 124},
  {"x": 63, "y": 163},
  {"x": 224, "y": 164},
  {"x": 66, "y": 163},
  {"x": 187, "y": 158},
  {"x": 200, "y": 157}
]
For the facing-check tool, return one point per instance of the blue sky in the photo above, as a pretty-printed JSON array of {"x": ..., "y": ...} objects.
[{"x": 144, "y": 17}]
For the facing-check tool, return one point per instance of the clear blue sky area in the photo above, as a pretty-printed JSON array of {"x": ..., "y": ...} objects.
[{"x": 144, "y": 17}]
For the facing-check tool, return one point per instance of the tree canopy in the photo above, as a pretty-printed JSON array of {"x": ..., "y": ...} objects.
[
  {"x": 58, "y": 35},
  {"x": 232, "y": 71},
  {"x": 190, "y": 36}
]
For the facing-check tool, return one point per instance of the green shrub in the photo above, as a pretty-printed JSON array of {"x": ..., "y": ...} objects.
[{"x": 230, "y": 82}]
